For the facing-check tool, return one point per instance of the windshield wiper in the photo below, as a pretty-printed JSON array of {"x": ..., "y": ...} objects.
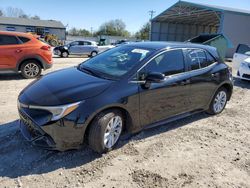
[
  {"x": 88, "y": 71},
  {"x": 96, "y": 73}
]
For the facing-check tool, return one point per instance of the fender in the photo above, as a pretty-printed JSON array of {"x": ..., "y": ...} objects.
[
  {"x": 228, "y": 83},
  {"x": 36, "y": 57}
]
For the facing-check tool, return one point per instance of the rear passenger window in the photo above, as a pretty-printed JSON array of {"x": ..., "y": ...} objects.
[
  {"x": 202, "y": 58},
  {"x": 24, "y": 39},
  {"x": 87, "y": 43},
  {"x": 168, "y": 63},
  {"x": 210, "y": 59},
  {"x": 193, "y": 59},
  {"x": 198, "y": 58},
  {"x": 8, "y": 40},
  {"x": 243, "y": 49}
]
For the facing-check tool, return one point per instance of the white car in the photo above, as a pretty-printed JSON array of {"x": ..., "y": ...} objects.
[{"x": 241, "y": 62}]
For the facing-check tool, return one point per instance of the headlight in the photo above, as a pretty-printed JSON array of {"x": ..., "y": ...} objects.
[
  {"x": 57, "y": 112},
  {"x": 244, "y": 64}
]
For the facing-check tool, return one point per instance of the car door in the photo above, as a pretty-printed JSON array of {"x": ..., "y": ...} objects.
[
  {"x": 74, "y": 48},
  {"x": 87, "y": 47},
  {"x": 9, "y": 51},
  {"x": 203, "y": 77},
  {"x": 242, "y": 53},
  {"x": 169, "y": 98}
]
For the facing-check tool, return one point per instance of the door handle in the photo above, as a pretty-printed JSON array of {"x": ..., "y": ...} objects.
[{"x": 18, "y": 50}]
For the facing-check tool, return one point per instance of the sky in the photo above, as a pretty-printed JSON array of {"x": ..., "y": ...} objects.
[{"x": 89, "y": 14}]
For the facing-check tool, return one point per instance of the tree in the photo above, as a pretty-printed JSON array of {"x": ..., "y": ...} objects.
[
  {"x": 1, "y": 13},
  {"x": 35, "y": 17},
  {"x": 14, "y": 12},
  {"x": 24, "y": 16},
  {"x": 143, "y": 33},
  {"x": 114, "y": 28},
  {"x": 79, "y": 32}
]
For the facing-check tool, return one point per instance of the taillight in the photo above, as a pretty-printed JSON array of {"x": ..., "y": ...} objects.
[{"x": 46, "y": 48}]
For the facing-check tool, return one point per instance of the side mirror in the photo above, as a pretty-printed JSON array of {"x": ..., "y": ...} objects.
[{"x": 155, "y": 77}]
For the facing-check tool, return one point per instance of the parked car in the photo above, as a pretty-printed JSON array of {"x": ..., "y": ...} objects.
[
  {"x": 241, "y": 61},
  {"x": 125, "y": 89},
  {"x": 77, "y": 48},
  {"x": 22, "y": 52}
]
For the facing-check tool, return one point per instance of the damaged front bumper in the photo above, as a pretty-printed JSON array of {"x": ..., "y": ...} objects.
[{"x": 60, "y": 135}]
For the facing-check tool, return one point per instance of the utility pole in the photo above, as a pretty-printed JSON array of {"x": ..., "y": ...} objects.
[
  {"x": 91, "y": 31},
  {"x": 151, "y": 13}
]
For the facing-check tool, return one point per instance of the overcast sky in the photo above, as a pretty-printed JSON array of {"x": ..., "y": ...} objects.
[{"x": 92, "y": 13}]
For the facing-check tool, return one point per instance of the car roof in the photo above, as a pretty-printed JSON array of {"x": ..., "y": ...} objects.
[
  {"x": 16, "y": 33},
  {"x": 170, "y": 45},
  {"x": 165, "y": 45}
]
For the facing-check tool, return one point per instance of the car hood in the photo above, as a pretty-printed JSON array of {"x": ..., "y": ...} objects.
[{"x": 63, "y": 87}]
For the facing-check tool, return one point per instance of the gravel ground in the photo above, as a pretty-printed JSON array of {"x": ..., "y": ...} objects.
[{"x": 199, "y": 151}]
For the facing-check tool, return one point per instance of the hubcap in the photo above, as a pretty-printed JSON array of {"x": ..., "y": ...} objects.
[
  {"x": 31, "y": 69},
  {"x": 94, "y": 54},
  {"x": 112, "y": 132},
  {"x": 64, "y": 54},
  {"x": 220, "y": 101}
]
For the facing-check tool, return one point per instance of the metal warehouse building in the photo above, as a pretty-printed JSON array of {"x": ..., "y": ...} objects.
[
  {"x": 40, "y": 27},
  {"x": 185, "y": 20}
]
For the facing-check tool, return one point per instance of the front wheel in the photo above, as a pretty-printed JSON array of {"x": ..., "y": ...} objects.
[
  {"x": 219, "y": 101},
  {"x": 30, "y": 69},
  {"x": 64, "y": 54},
  {"x": 105, "y": 131}
]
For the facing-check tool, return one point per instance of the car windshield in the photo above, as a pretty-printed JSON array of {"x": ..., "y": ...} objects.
[{"x": 116, "y": 62}]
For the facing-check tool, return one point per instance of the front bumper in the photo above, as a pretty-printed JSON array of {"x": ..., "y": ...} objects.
[
  {"x": 61, "y": 135},
  {"x": 244, "y": 72}
]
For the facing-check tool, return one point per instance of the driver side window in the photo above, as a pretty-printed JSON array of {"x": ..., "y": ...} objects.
[{"x": 168, "y": 63}]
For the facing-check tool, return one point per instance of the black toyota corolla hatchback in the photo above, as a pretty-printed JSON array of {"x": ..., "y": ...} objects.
[{"x": 125, "y": 89}]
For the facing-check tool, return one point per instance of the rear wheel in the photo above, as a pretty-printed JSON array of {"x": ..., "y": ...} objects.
[
  {"x": 31, "y": 69},
  {"x": 105, "y": 131},
  {"x": 219, "y": 101},
  {"x": 93, "y": 54}
]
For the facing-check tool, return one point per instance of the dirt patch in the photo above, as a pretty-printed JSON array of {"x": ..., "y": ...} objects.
[{"x": 148, "y": 179}]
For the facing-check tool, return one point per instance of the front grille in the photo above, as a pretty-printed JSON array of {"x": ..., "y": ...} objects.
[
  {"x": 246, "y": 76},
  {"x": 33, "y": 130}
]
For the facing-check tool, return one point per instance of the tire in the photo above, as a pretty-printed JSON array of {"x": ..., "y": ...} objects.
[
  {"x": 31, "y": 69},
  {"x": 65, "y": 54},
  {"x": 221, "y": 96},
  {"x": 93, "y": 54},
  {"x": 101, "y": 131}
]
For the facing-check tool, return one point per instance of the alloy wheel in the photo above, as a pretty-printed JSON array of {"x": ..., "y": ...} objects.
[
  {"x": 220, "y": 101},
  {"x": 65, "y": 54},
  {"x": 31, "y": 70},
  {"x": 112, "y": 132}
]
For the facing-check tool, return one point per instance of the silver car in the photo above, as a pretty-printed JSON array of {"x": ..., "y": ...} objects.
[{"x": 89, "y": 48}]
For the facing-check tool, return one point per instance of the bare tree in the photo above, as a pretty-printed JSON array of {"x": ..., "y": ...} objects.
[
  {"x": 1, "y": 13},
  {"x": 14, "y": 12}
]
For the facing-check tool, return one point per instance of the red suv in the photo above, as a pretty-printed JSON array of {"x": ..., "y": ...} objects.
[{"x": 23, "y": 52}]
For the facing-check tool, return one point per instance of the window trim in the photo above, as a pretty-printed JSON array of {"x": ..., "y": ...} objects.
[{"x": 186, "y": 64}]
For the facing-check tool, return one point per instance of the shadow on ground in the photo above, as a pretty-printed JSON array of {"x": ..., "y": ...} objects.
[
  {"x": 11, "y": 76},
  {"x": 242, "y": 83},
  {"x": 19, "y": 158}
]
